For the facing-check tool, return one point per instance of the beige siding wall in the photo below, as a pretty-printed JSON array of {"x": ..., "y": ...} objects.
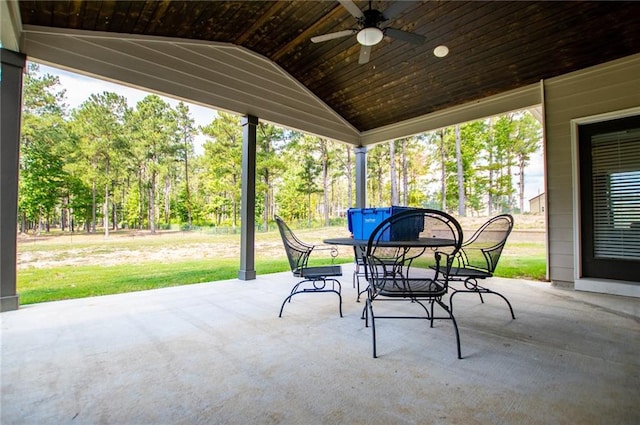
[
  {"x": 537, "y": 204},
  {"x": 598, "y": 90}
]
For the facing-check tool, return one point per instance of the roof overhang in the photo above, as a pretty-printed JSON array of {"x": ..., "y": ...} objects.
[
  {"x": 10, "y": 25},
  {"x": 218, "y": 75}
]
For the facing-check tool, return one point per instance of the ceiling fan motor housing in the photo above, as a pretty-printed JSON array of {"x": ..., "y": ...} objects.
[{"x": 372, "y": 18}]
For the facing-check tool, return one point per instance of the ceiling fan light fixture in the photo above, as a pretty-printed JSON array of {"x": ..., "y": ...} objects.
[
  {"x": 441, "y": 51},
  {"x": 370, "y": 36}
]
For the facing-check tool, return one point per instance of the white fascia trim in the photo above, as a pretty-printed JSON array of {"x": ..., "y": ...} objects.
[{"x": 513, "y": 100}]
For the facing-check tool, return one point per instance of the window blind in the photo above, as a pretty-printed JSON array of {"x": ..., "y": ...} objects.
[{"x": 616, "y": 194}]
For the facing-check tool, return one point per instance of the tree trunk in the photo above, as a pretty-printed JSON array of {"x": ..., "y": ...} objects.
[
  {"x": 405, "y": 174},
  {"x": 443, "y": 172},
  {"x": 267, "y": 202},
  {"x": 167, "y": 199},
  {"x": 521, "y": 165},
  {"x": 114, "y": 215},
  {"x": 93, "y": 206},
  {"x": 393, "y": 173},
  {"x": 510, "y": 179},
  {"x": 491, "y": 143},
  {"x": 105, "y": 207},
  {"x": 462, "y": 210},
  {"x": 64, "y": 212},
  {"x": 186, "y": 182},
  {"x": 235, "y": 203},
  {"x": 349, "y": 171},
  {"x": 380, "y": 186},
  {"x": 105, "y": 211},
  {"x": 140, "y": 201},
  {"x": 309, "y": 209},
  {"x": 325, "y": 181},
  {"x": 152, "y": 203}
]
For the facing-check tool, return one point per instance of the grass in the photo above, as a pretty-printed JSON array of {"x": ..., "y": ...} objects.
[
  {"x": 58, "y": 283},
  {"x": 50, "y": 283},
  {"x": 68, "y": 282},
  {"x": 534, "y": 268}
]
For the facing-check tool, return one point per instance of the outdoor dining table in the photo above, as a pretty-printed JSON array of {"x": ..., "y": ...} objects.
[
  {"x": 416, "y": 243},
  {"x": 405, "y": 245}
]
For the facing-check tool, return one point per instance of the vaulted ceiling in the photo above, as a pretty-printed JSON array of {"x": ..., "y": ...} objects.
[{"x": 494, "y": 46}]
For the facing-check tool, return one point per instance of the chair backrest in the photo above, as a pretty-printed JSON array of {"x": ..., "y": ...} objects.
[
  {"x": 483, "y": 249},
  {"x": 297, "y": 251},
  {"x": 385, "y": 246}
]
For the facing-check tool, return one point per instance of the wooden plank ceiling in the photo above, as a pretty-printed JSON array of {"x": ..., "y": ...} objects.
[{"x": 494, "y": 46}]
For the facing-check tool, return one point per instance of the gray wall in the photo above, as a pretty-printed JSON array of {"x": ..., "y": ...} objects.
[{"x": 603, "y": 89}]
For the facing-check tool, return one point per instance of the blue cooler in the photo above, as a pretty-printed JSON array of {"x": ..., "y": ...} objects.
[{"x": 363, "y": 221}]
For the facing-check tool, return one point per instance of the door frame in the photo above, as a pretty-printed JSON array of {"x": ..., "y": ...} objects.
[{"x": 581, "y": 283}]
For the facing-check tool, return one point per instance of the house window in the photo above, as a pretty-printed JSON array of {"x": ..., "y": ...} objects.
[{"x": 616, "y": 194}]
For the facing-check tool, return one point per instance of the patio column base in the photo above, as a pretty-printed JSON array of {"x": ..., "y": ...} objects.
[
  {"x": 9, "y": 303},
  {"x": 247, "y": 274}
]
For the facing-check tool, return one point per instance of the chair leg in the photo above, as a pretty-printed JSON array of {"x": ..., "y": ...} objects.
[
  {"x": 316, "y": 288},
  {"x": 339, "y": 292},
  {"x": 360, "y": 292},
  {"x": 369, "y": 308},
  {"x": 283, "y": 304},
  {"x": 357, "y": 284},
  {"x": 513, "y": 316},
  {"x": 480, "y": 291},
  {"x": 431, "y": 319},
  {"x": 455, "y": 325}
]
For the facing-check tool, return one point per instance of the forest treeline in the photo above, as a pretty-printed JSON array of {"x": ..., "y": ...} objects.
[{"x": 107, "y": 165}]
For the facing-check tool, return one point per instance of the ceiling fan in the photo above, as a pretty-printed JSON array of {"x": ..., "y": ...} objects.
[{"x": 369, "y": 31}]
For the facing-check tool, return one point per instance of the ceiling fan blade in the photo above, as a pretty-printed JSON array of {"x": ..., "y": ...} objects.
[
  {"x": 352, "y": 8},
  {"x": 365, "y": 54},
  {"x": 331, "y": 36},
  {"x": 405, "y": 36},
  {"x": 395, "y": 9}
]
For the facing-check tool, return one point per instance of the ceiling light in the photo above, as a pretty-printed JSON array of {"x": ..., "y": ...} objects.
[
  {"x": 370, "y": 36},
  {"x": 440, "y": 51}
]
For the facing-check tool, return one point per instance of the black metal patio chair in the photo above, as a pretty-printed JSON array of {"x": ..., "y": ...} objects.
[
  {"x": 399, "y": 255},
  {"x": 478, "y": 258},
  {"x": 316, "y": 279},
  {"x": 360, "y": 269}
]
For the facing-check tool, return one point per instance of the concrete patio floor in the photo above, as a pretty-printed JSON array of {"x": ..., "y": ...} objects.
[{"x": 217, "y": 353}]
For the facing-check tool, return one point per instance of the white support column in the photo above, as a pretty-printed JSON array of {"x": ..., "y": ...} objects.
[
  {"x": 361, "y": 176},
  {"x": 11, "y": 104},
  {"x": 248, "y": 201}
]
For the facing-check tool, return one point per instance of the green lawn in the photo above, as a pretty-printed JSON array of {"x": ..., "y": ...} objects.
[{"x": 61, "y": 283}]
